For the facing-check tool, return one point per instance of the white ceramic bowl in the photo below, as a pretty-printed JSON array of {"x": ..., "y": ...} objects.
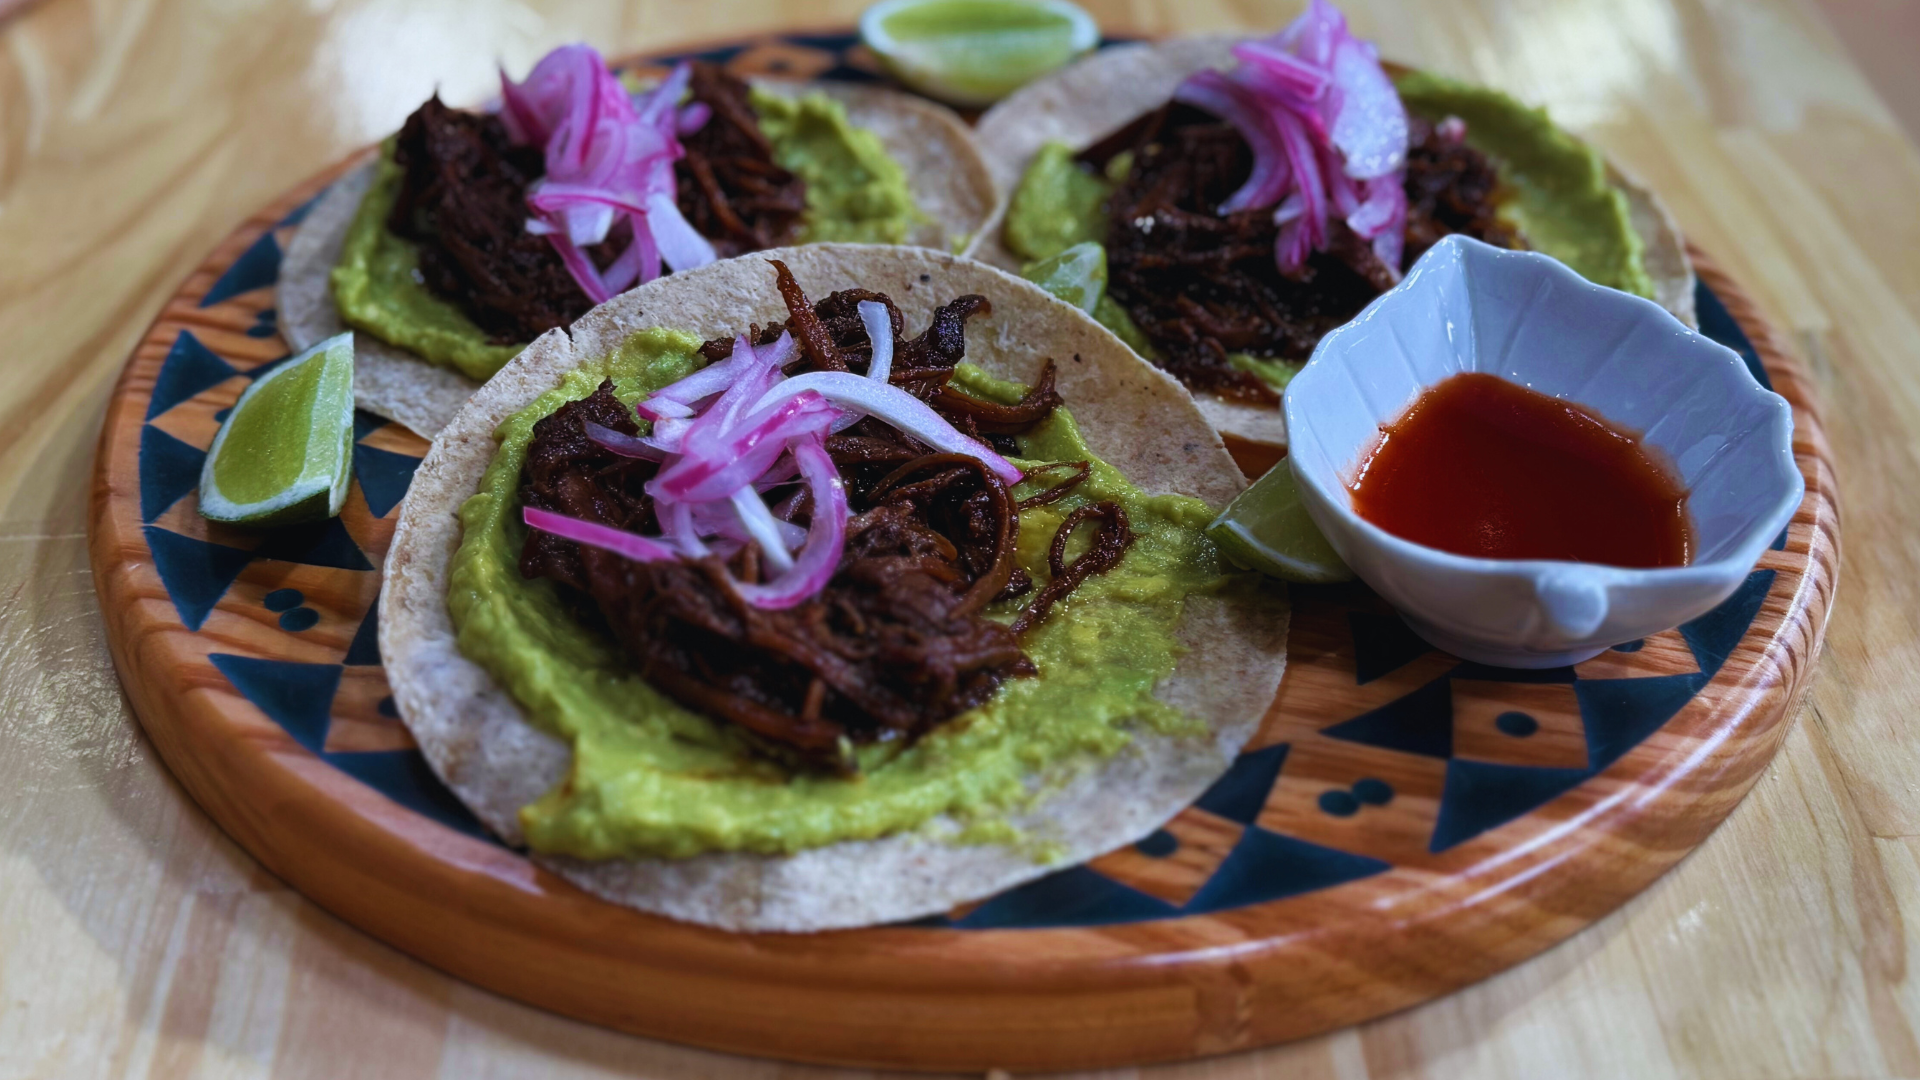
[{"x": 1466, "y": 306}]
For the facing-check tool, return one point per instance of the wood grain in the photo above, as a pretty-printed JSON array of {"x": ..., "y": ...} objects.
[{"x": 136, "y": 940}]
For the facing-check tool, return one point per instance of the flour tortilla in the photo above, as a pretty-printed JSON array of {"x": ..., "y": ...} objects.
[
  {"x": 1131, "y": 414},
  {"x": 949, "y": 181},
  {"x": 1095, "y": 96}
]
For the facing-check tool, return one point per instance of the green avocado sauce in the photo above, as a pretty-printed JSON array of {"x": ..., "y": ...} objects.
[
  {"x": 650, "y": 777},
  {"x": 855, "y": 192},
  {"x": 1562, "y": 201}
]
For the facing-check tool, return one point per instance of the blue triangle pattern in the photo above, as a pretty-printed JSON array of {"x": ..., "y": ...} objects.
[
  {"x": 189, "y": 368},
  {"x": 365, "y": 649},
  {"x": 384, "y": 476},
  {"x": 1242, "y": 792},
  {"x": 1382, "y": 644},
  {"x": 1619, "y": 714},
  {"x": 404, "y": 777},
  {"x": 320, "y": 543},
  {"x": 256, "y": 268},
  {"x": 1418, "y": 723},
  {"x": 169, "y": 469},
  {"x": 1480, "y": 795},
  {"x": 1718, "y": 324},
  {"x": 298, "y": 697},
  {"x": 366, "y": 423},
  {"x": 1487, "y": 673},
  {"x": 1076, "y": 896},
  {"x": 196, "y": 573},
  {"x": 1267, "y": 866},
  {"x": 1713, "y": 636}
]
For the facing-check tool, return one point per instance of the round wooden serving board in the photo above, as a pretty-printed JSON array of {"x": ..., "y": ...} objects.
[{"x": 1402, "y": 825}]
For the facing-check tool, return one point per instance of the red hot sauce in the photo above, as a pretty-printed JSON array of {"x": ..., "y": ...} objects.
[{"x": 1483, "y": 467}]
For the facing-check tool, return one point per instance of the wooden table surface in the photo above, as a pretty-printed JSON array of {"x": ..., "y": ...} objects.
[{"x": 136, "y": 940}]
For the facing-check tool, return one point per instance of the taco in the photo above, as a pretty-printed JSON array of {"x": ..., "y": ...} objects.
[
  {"x": 982, "y": 634},
  {"x": 470, "y": 234},
  {"x": 1251, "y": 195}
]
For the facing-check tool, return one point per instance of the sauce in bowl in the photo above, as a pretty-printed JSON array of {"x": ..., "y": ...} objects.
[{"x": 1482, "y": 467}]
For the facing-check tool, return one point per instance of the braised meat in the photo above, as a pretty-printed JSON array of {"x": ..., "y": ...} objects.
[
  {"x": 898, "y": 641},
  {"x": 463, "y": 202},
  {"x": 1202, "y": 285}
]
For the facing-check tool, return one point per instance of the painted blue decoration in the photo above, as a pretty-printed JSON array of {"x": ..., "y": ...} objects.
[
  {"x": 196, "y": 573},
  {"x": 300, "y": 212},
  {"x": 404, "y": 777},
  {"x": 1619, "y": 714},
  {"x": 387, "y": 708},
  {"x": 1717, "y": 323},
  {"x": 1480, "y": 796},
  {"x": 1418, "y": 723},
  {"x": 189, "y": 369},
  {"x": 366, "y": 423},
  {"x": 1484, "y": 673},
  {"x": 384, "y": 476},
  {"x": 1239, "y": 795},
  {"x": 1073, "y": 897},
  {"x": 1517, "y": 724},
  {"x": 1267, "y": 866},
  {"x": 1381, "y": 644},
  {"x": 298, "y": 697},
  {"x": 365, "y": 649},
  {"x": 1779, "y": 542},
  {"x": 256, "y": 268},
  {"x": 1339, "y": 803},
  {"x": 1712, "y": 636},
  {"x": 283, "y": 599},
  {"x": 319, "y": 543},
  {"x": 300, "y": 618},
  {"x": 257, "y": 371},
  {"x": 169, "y": 469},
  {"x": 265, "y": 324},
  {"x": 1631, "y": 646},
  {"x": 1157, "y": 845},
  {"x": 1373, "y": 792}
]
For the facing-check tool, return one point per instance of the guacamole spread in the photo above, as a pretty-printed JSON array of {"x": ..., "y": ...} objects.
[
  {"x": 1562, "y": 202},
  {"x": 855, "y": 192},
  {"x": 651, "y": 778}
]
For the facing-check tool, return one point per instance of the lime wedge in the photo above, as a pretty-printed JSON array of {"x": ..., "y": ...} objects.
[
  {"x": 1077, "y": 275},
  {"x": 975, "y": 52},
  {"x": 285, "y": 452},
  {"x": 1267, "y": 529}
]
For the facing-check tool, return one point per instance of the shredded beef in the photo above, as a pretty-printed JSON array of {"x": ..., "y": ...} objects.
[
  {"x": 1201, "y": 285},
  {"x": 463, "y": 202},
  {"x": 898, "y": 641},
  {"x": 464, "y": 205},
  {"x": 728, "y": 185}
]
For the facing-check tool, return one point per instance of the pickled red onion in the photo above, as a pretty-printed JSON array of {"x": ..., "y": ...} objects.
[
  {"x": 730, "y": 432},
  {"x": 1327, "y": 130},
  {"x": 609, "y": 158}
]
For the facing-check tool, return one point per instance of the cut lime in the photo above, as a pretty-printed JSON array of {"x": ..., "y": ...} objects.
[
  {"x": 1077, "y": 275},
  {"x": 975, "y": 52},
  {"x": 1267, "y": 529},
  {"x": 285, "y": 452}
]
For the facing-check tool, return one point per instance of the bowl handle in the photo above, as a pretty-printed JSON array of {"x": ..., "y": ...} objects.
[{"x": 1574, "y": 605}]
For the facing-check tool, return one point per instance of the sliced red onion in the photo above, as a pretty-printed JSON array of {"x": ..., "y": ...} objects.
[
  {"x": 680, "y": 245},
  {"x": 893, "y": 406},
  {"x": 609, "y": 157},
  {"x": 1327, "y": 130},
  {"x": 619, "y": 541},
  {"x": 734, "y": 463},
  {"x": 826, "y": 536},
  {"x": 873, "y": 316},
  {"x": 764, "y": 528},
  {"x": 632, "y": 446}
]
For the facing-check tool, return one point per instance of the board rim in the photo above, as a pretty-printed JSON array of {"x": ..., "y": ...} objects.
[{"x": 939, "y": 999}]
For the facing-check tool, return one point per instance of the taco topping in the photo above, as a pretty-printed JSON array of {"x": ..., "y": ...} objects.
[
  {"x": 805, "y": 544},
  {"x": 728, "y": 185}
]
